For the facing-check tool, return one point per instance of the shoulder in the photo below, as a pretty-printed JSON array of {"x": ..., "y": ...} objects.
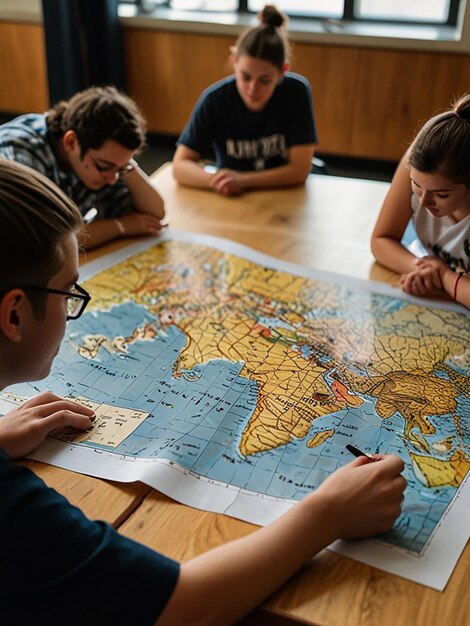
[
  {"x": 295, "y": 83},
  {"x": 221, "y": 89},
  {"x": 25, "y": 140},
  {"x": 27, "y": 133},
  {"x": 31, "y": 126}
]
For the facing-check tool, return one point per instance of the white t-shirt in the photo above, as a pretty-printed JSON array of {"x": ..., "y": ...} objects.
[{"x": 443, "y": 237}]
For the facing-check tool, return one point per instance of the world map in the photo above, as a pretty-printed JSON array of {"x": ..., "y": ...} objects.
[{"x": 257, "y": 378}]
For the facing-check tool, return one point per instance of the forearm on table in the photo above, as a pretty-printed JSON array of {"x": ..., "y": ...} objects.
[
  {"x": 145, "y": 198},
  {"x": 98, "y": 233},
  {"x": 191, "y": 174},
  {"x": 393, "y": 255},
  {"x": 457, "y": 286},
  {"x": 294, "y": 172},
  {"x": 221, "y": 586}
]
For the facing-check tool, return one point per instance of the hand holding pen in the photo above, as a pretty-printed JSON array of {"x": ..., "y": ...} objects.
[
  {"x": 358, "y": 453},
  {"x": 365, "y": 495}
]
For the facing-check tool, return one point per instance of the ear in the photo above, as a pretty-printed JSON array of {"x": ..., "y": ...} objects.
[
  {"x": 233, "y": 58},
  {"x": 70, "y": 140},
  {"x": 284, "y": 69},
  {"x": 14, "y": 307}
]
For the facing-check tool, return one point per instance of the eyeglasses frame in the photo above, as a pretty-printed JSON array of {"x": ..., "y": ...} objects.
[
  {"x": 118, "y": 171},
  {"x": 82, "y": 295}
]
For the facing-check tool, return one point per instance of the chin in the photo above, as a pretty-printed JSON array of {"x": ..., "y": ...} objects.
[
  {"x": 32, "y": 377},
  {"x": 45, "y": 372},
  {"x": 255, "y": 106},
  {"x": 96, "y": 185}
]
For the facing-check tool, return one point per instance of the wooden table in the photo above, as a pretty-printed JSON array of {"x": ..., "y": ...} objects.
[{"x": 325, "y": 225}]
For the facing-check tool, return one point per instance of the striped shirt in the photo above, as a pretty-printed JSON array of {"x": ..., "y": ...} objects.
[{"x": 26, "y": 139}]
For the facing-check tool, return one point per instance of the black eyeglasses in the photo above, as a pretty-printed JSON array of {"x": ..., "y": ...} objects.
[
  {"x": 77, "y": 298},
  {"x": 118, "y": 171}
]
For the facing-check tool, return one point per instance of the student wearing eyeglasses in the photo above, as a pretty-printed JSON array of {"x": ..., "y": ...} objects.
[
  {"x": 57, "y": 567},
  {"x": 87, "y": 146}
]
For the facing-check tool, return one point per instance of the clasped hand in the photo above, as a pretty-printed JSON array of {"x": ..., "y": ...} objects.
[
  {"x": 24, "y": 428},
  {"x": 426, "y": 279},
  {"x": 227, "y": 182}
]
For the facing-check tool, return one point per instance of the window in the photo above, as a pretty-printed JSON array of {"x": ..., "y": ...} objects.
[{"x": 433, "y": 12}]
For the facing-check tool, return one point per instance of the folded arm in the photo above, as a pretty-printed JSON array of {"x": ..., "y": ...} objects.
[
  {"x": 432, "y": 276},
  {"x": 145, "y": 219},
  {"x": 187, "y": 171}
]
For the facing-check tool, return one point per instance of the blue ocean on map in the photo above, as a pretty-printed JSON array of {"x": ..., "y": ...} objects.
[{"x": 197, "y": 418}]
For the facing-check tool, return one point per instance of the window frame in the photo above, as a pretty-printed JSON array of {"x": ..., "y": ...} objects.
[{"x": 348, "y": 13}]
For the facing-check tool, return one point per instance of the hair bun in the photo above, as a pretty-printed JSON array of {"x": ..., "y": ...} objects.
[
  {"x": 270, "y": 16},
  {"x": 462, "y": 108}
]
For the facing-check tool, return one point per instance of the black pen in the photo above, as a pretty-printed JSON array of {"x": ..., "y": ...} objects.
[{"x": 358, "y": 452}]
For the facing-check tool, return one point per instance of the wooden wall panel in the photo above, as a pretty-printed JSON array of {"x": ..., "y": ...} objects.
[
  {"x": 208, "y": 61},
  {"x": 394, "y": 94},
  {"x": 331, "y": 72},
  {"x": 451, "y": 79},
  {"x": 156, "y": 74},
  {"x": 22, "y": 68},
  {"x": 167, "y": 72}
]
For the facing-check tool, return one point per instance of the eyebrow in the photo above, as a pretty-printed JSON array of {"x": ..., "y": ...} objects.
[
  {"x": 110, "y": 163},
  {"x": 262, "y": 76},
  {"x": 437, "y": 190}
]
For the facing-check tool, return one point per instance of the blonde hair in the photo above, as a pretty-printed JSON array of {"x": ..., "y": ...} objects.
[{"x": 35, "y": 216}]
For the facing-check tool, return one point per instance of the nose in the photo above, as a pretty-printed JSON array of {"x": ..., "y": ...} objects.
[
  {"x": 110, "y": 177},
  {"x": 427, "y": 199}
]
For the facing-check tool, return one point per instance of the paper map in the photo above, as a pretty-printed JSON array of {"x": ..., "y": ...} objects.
[{"x": 232, "y": 382}]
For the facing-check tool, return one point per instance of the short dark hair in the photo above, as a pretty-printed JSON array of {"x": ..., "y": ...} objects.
[
  {"x": 443, "y": 144},
  {"x": 268, "y": 41},
  {"x": 97, "y": 115},
  {"x": 35, "y": 216}
]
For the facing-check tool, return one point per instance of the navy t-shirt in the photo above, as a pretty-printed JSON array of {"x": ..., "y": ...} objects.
[
  {"x": 58, "y": 568},
  {"x": 244, "y": 140}
]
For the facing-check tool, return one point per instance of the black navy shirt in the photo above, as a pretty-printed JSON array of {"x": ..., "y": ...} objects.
[
  {"x": 244, "y": 140},
  {"x": 58, "y": 568}
]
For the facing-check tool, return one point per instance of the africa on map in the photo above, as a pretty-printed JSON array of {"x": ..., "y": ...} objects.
[{"x": 257, "y": 378}]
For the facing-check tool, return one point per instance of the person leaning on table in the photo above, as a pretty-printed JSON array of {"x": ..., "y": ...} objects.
[{"x": 87, "y": 145}]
